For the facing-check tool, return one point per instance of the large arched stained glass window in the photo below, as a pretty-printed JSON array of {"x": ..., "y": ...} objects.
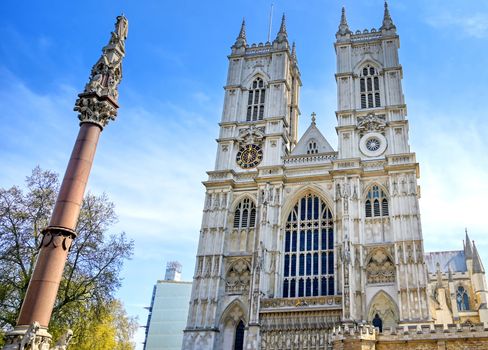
[{"x": 309, "y": 249}]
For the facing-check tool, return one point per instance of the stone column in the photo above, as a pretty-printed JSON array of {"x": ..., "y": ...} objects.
[{"x": 96, "y": 105}]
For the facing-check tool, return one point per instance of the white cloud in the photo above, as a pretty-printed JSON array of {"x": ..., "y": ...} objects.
[
  {"x": 473, "y": 25},
  {"x": 150, "y": 162},
  {"x": 451, "y": 149}
]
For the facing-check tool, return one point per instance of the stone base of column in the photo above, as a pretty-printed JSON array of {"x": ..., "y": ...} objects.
[
  {"x": 33, "y": 337},
  {"x": 252, "y": 338}
]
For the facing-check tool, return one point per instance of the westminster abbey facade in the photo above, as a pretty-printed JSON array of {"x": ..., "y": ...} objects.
[{"x": 307, "y": 246}]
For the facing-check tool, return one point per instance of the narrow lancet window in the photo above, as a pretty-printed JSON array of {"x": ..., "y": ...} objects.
[
  {"x": 239, "y": 338},
  {"x": 245, "y": 214},
  {"x": 376, "y": 204},
  {"x": 462, "y": 299},
  {"x": 255, "y": 101},
  {"x": 369, "y": 88}
]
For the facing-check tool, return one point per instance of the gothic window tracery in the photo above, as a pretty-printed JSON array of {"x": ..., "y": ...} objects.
[
  {"x": 309, "y": 249},
  {"x": 238, "y": 277},
  {"x": 255, "y": 102},
  {"x": 462, "y": 299},
  {"x": 380, "y": 268},
  {"x": 376, "y": 204},
  {"x": 245, "y": 214},
  {"x": 312, "y": 147},
  {"x": 369, "y": 87}
]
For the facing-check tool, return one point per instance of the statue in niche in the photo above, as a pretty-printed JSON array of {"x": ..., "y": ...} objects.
[
  {"x": 378, "y": 322},
  {"x": 95, "y": 83},
  {"x": 384, "y": 308},
  {"x": 395, "y": 187},
  {"x": 338, "y": 191}
]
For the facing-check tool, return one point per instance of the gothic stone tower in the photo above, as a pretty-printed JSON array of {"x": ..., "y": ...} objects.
[
  {"x": 238, "y": 252},
  {"x": 301, "y": 243},
  {"x": 378, "y": 220}
]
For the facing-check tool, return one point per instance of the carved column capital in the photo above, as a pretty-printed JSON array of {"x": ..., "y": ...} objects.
[
  {"x": 95, "y": 109},
  {"x": 97, "y": 104},
  {"x": 57, "y": 237}
]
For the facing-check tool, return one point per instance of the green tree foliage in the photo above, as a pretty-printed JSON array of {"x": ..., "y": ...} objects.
[
  {"x": 106, "y": 327},
  {"x": 91, "y": 275}
]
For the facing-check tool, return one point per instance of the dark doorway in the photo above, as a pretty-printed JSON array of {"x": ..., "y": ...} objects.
[{"x": 239, "y": 340}]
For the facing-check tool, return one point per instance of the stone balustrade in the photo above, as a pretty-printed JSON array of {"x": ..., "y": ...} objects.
[{"x": 310, "y": 159}]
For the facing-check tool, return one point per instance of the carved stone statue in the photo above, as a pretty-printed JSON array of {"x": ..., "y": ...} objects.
[
  {"x": 122, "y": 27},
  {"x": 29, "y": 338},
  {"x": 371, "y": 123},
  {"x": 105, "y": 77}
]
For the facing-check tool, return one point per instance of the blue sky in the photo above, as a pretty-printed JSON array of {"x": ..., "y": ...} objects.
[{"x": 152, "y": 159}]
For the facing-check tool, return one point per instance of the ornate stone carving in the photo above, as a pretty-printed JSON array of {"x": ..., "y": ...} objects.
[
  {"x": 33, "y": 337},
  {"x": 92, "y": 110},
  {"x": 380, "y": 268},
  {"x": 251, "y": 135},
  {"x": 238, "y": 277},
  {"x": 98, "y": 102},
  {"x": 57, "y": 238},
  {"x": 29, "y": 338},
  {"x": 325, "y": 301},
  {"x": 371, "y": 123}
]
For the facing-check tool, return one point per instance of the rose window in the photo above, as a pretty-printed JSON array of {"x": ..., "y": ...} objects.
[{"x": 373, "y": 144}]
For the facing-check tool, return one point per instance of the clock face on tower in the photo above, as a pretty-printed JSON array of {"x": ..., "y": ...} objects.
[{"x": 249, "y": 156}]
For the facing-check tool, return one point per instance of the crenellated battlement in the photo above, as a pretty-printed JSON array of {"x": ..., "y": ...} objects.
[
  {"x": 366, "y": 35},
  {"x": 437, "y": 329},
  {"x": 475, "y": 336}
]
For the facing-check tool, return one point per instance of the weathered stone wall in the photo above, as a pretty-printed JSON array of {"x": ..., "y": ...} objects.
[
  {"x": 438, "y": 337},
  {"x": 458, "y": 344}
]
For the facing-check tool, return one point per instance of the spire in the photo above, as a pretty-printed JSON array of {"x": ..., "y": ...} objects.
[
  {"x": 343, "y": 26},
  {"x": 387, "y": 21},
  {"x": 294, "y": 53},
  {"x": 98, "y": 102},
  {"x": 477, "y": 264},
  {"x": 241, "y": 38},
  {"x": 283, "y": 25},
  {"x": 282, "y": 35},
  {"x": 313, "y": 115},
  {"x": 468, "y": 248}
]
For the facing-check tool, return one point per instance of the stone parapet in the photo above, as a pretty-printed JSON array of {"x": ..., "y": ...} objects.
[{"x": 438, "y": 331}]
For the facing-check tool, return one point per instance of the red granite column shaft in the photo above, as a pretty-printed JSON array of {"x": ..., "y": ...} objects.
[{"x": 43, "y": 287}]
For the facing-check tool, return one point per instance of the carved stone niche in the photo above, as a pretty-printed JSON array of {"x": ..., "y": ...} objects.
[
  {"x": 238, "y": 276},
  {"x": 386, "y": 309},
  {"x": 380, "y": 267}
]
